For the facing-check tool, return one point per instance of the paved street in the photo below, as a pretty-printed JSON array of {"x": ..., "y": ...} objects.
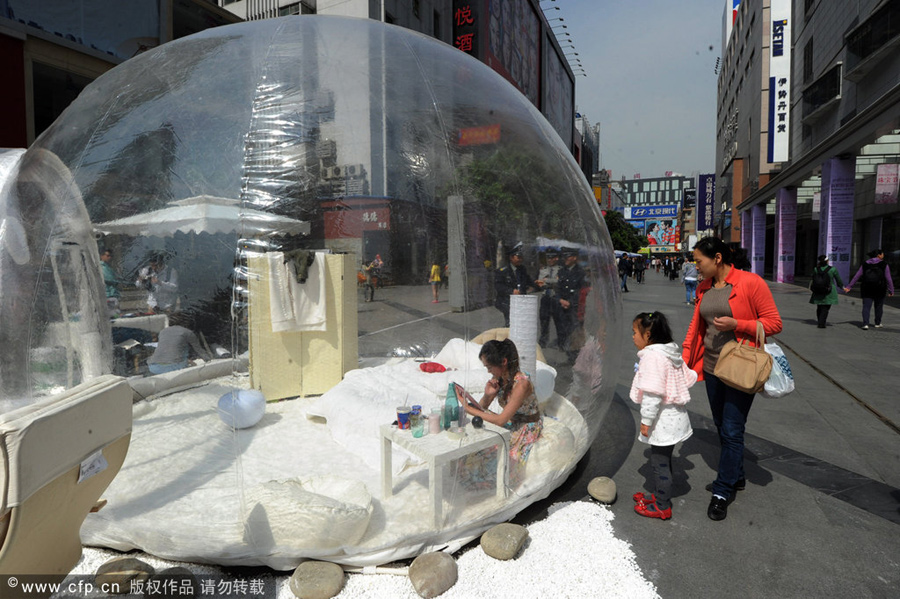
[{"x": 821, "y": 513}]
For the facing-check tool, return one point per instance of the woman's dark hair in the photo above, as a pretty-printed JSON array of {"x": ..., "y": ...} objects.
[
  {"x": 710, "y": 246},
  {"x": 493, "y": 352},
  {"x": 875, "y": 253},
  {"x": 657, "y": 324},
  {"x": 823, "y": 260}
]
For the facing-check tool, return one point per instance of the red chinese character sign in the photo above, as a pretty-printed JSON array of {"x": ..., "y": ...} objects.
[{"x": 466, "y": 27}]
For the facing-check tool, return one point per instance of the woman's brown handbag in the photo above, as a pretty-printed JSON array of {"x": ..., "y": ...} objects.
[{"x": 743, "y": 367}]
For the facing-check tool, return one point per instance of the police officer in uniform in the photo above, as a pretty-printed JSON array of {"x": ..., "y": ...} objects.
[
  {"x": 571, "y": 280},
  {"x": 548, "y": 279},
  {"x": 512, "y": 279}
]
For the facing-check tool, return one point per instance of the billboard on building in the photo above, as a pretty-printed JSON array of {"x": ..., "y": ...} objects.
[
  {"x": 689, "y": 198},
  {"x": 645, "y": 212},
  {"x": 779, "y": 80},
  {"x": 558, "y": 101},
  {"x": 513, "y": 45},
  {"x": 886, "y": 184},
  {"x": 706, "y": 195}
]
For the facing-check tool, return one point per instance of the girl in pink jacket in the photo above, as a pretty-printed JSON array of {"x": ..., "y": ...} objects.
[{"x": 660, "y": 386}]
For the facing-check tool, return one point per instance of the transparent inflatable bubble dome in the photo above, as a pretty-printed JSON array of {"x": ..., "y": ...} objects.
[{"x": 268, "y": 207}]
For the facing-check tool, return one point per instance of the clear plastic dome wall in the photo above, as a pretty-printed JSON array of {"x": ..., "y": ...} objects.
[{"x": 279, "y": 175}]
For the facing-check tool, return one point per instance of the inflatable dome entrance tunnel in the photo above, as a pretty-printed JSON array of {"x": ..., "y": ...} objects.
[{"x": 260, "y": 212}]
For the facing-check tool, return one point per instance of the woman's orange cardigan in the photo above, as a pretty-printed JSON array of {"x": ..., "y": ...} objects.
[{"x": 750, "y": 300}]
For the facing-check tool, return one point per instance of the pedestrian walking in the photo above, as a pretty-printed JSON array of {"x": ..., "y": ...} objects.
[
  {"x": 689, "y": 280},
  {"x": 730, "y": 302},
  {"x": 658, "y": 264},
  {"x": 639, "y": 267},
  {"x": 369, "y": 272},
  {"x": 625, "y": 270},
  {"x": 660, "y": 386},
  {"x": 824, "y": 293},
  {"x": 876, "y": 282},
  {"x": 434, "y": 278}
]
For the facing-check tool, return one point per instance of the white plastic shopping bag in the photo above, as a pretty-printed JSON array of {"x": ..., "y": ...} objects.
[{"x": 781, "y": 380}]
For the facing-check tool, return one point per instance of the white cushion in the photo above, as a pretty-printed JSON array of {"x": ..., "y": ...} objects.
[{"x": 312, "y": 517}]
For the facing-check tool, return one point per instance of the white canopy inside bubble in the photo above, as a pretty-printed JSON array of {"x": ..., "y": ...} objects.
[
  {"x": 333, "y": 141},
  {"x": 204, "y": 214}
]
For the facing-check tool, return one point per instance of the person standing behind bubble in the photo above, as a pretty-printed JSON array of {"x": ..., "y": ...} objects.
[
  {"x": 876, "y": 282},
  {"x": 548, "y": 278},
  {"x": 730, "y": 302},
  {"x": 161, "y": 282},
  {"x": 825, "y": 300},
  {"x": 111, "y": 280}
]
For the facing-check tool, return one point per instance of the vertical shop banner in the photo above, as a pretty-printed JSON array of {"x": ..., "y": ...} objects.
[
  {"x": 758, "y": 241},
  {"x": 786, "y": 225},
  {"x": 886, "y": 184},
  {"x": 839, "y": 183},
  {"x": 706, "y": 195},
  {"x": 779, "y": 80},
  {"x": 466, "y": 34}
]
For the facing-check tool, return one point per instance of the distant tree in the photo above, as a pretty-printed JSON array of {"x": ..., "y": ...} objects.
[{"x": 624, "y": 236}]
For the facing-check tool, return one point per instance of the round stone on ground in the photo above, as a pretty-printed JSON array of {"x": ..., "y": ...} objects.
[
  {"x": 602, "y": 489},
  {"x": 504, "y": 541},
  {"x": 432, "y": 574},
  {"x": 118, "y": 573},
  {"x": 317, "y": 580}
]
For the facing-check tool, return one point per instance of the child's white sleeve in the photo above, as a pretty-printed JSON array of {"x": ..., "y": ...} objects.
[{"x": 650, "y": 408}]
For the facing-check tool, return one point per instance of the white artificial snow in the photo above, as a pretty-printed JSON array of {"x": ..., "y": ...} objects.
[{"x": 573, "y": 553}]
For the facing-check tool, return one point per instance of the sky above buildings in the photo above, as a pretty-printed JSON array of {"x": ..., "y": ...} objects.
[{"x": 651, "y": 81}]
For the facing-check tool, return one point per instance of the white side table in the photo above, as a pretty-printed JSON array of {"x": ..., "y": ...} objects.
[{"x": 437, "y": 450}]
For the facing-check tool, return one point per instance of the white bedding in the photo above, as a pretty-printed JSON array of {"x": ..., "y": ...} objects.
[{"x": 192, "y": 489}]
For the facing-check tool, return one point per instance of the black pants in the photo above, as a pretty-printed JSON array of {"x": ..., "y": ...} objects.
[
  {"x": 822, "y": 314},
  {"x": 661, "y": 463},
  {"x": 549, "y": 310}
]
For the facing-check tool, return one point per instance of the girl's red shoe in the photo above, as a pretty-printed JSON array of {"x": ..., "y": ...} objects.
[
  {"x": 651, "y": 510},
  {"x": 641, "y": 498}
]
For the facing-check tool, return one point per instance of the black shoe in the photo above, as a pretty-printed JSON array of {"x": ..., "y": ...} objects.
[
  {"x": 718, "y": 508},
  {"x": 821, "y": 326}
]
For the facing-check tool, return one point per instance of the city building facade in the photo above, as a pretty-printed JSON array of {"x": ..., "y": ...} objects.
[
  {"x": 808, "y": 133},
  {"x": 53, "y": 49}
]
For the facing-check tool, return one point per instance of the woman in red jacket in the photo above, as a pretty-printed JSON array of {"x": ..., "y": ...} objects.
[{"x": 729, "y": 303}]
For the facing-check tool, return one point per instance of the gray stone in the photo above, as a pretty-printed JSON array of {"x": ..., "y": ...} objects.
[
  {"x": 504, "y": 541},
  {"x": 433, "y": 574},
  {"x": 171, "y": 583},
  {"x": 118, "y": 573},
  {"x": 602, "y": 489},
  {"x": 317, "y": 580}
]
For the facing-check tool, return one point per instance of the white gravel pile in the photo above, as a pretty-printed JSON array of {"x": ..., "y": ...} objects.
[{"x": 573, "y": 553}]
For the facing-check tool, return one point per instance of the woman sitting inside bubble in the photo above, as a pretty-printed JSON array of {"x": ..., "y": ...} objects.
[
  {"x": 514, "y": 392},
  {"x": 175, "y": 344}
]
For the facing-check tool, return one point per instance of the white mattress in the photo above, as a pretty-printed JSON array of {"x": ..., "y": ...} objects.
[{"x": 192, "y": 489}]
